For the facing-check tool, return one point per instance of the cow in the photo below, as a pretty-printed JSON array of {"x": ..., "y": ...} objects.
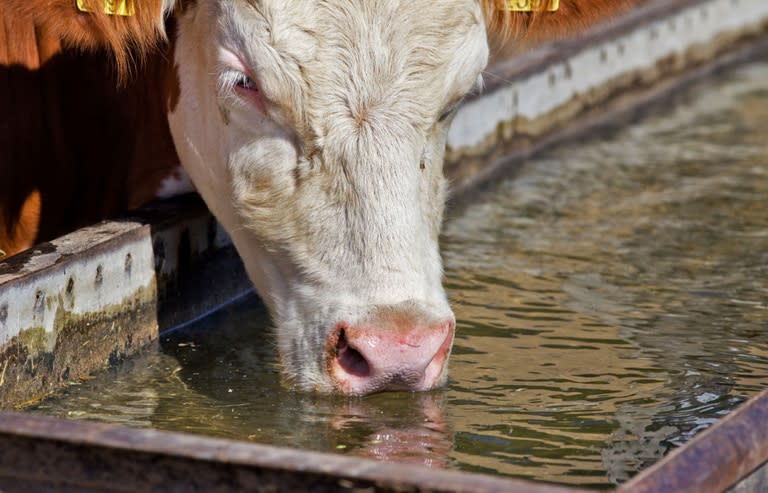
[{"x": 313, "y": 130}]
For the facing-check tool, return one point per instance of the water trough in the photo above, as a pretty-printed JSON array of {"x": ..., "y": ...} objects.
[{"x": 84, "y": 301}]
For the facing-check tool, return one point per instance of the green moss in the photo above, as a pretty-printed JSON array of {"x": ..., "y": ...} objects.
[{"x": 34, "y": 340}]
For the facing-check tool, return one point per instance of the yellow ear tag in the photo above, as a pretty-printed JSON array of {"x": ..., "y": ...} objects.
[
  {"x": 528, "y": 5},
  {"x": 111, "y": 7}
]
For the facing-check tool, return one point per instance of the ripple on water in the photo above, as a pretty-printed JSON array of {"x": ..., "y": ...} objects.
[{"x": 610, "y": 303}]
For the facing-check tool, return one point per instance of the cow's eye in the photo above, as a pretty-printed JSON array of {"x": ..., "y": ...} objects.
[
  {"x": 238, "y": 80},
  {"x": 242, "y": 81},
  {"x": 245, "y": 86}
]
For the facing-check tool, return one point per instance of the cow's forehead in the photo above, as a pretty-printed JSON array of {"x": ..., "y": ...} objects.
[
  {"x": 442, "y": 18},
  {"x": 349, "y": 57},
  {"x": 394, "y": 38},
  {"x": 422, "y": 32}
]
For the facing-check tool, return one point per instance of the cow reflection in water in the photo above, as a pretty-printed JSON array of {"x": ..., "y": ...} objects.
[{"x": 420, "y": 435}]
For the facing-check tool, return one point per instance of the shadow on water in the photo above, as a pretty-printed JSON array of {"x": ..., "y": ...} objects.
[{"x": 611, "y": 303}]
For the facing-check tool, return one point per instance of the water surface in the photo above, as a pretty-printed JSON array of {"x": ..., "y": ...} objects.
[{"x": 611, "y": 302}]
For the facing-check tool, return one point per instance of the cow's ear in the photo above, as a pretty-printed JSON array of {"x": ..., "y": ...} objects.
[
  {"x": 127, "y": 28},
  {"x": 509, "y": 18}
]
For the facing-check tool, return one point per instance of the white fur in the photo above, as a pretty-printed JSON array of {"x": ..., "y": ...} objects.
[{"x": 324, "y": 195}]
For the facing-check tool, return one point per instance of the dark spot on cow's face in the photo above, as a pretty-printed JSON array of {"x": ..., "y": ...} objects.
[
  {"x": 224, "y": 112},
  {"x": 3, "y": 313}
]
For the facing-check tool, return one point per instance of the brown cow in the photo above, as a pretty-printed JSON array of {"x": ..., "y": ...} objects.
[{"x": 314, "y": 130}]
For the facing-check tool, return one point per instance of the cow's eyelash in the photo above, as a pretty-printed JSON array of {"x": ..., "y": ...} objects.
[
  {"x": 245, "y": 82},
  {"x": 238, "y": 88},
  {"x": 231, "y": 79}
]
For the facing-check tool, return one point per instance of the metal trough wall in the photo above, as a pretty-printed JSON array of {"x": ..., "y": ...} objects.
[
  {"x": 731, "y": 456},
  {"x": 83, "y": 301},
  {"x": 41, "y": 454}
]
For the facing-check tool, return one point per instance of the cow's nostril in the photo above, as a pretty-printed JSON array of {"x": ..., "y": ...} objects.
[
  {"x": 396, "y": 352},
  {"x": 350, "y": 360}
]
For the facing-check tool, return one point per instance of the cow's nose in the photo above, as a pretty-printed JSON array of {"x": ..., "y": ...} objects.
[{"x": 396, "y": 355}]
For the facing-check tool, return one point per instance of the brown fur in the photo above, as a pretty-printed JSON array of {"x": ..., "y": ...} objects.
[
  {"x": 130, "y": 39},
  {"x": 24, "y": 230},
  {"x": 572, "y": 16},
  {"x": 70, "y": 135}
]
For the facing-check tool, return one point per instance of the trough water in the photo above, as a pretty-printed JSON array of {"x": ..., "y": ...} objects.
[{"x": 612, "y": 302}]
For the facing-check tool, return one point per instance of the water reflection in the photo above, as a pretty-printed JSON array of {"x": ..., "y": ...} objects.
[
  {"x": 629, "y": 276},
  {"x": 220, "y": 378},
  {"x": 611, "y": 303}
]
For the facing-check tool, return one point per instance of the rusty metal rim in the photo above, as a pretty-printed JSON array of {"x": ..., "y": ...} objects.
[
  {"x": 62, "y": 435},
  {"x": 715, "y": 459}
]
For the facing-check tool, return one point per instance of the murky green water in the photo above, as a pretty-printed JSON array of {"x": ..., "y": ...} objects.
[{"x": 612, "y": 301}]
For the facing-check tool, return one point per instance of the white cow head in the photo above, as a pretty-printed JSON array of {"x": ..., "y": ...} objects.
[{"x": 315, "y": 132}]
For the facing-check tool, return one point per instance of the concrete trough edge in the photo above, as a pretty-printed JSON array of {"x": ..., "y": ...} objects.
[
  {"x": 61, "y": 455},
  {"x": 73, "y": 306},
  {"x": 83, "y": 301},
  {"x": 564, "y": 89}
]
